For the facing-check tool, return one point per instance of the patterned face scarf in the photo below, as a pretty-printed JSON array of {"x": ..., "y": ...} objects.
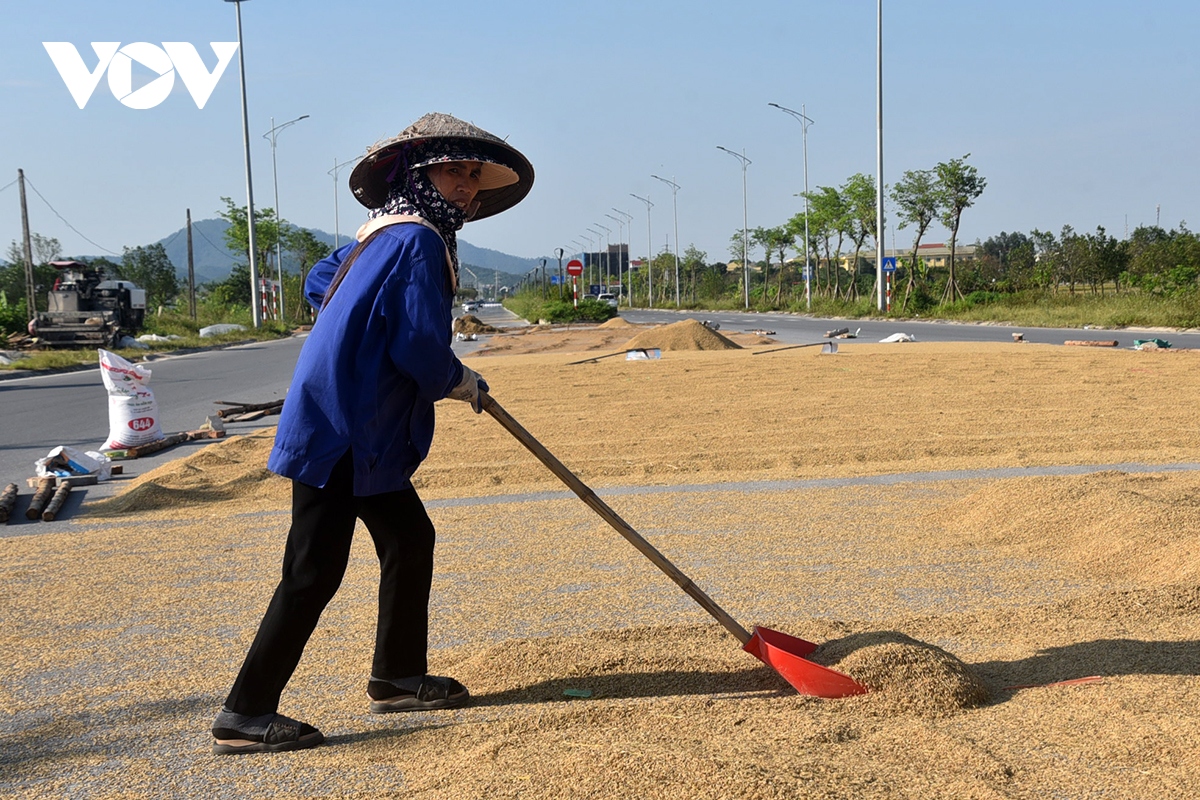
[{"x": 413, "y": 193}]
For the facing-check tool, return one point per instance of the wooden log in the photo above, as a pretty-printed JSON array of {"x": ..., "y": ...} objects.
[
  {"x": 44, "y": 490},
  {"x": 56, "y": 503},
  {"x": 154, "y": 447},
  {"x": 243, "y": 408},
  {"x": 1086, "y": 343},
  {"x": 8, "y": 499},
  {"x": 248, "y": 416}
]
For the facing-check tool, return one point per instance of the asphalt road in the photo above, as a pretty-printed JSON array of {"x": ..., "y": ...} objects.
[
  {"x": 44, "y": 411},
  {"x": 41, "y": 412}
]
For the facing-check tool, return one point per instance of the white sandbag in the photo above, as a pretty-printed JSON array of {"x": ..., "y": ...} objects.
[
  {"x": 220, "y": 328},
  {"x": 132, "y": 410}
]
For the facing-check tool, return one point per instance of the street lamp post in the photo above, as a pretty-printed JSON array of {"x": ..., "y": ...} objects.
[
  {"x": 255, "y": 307},
  {"x": 620, "y": 238},
  {"x": 675, "y": 205},
  {"x": 272, "y": 135},
  {"x": 628, "y": 227},
  {"x": 607, "y": 259},
  {"x": 745, "y": 230},
  {"x": 804, "y": 123},
  {"x": 588, "y": 240},
  {"x": 879, "y": 223},
  {"x": 649, "y": 255},
  {"x": 334, "y": 172},
  {"x": 559, "y": 252}
]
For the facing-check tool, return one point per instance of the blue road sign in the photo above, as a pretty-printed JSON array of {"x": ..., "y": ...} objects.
[{"x": 889, "y": 264}]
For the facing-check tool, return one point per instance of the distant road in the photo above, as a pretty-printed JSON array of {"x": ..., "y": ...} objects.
[{"x": 793, "y": 329}]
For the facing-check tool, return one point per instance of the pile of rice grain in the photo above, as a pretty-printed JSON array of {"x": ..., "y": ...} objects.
[
  {"x": 903, "y": 674},
  {"x": 230, "y": 469},
  {"x": 469, "y": 323},
  {"x": 687, "y": 334},
  {"x": 617, "y": 322}
]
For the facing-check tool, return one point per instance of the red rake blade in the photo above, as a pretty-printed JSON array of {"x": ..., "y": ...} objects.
[{"x": 786, "y": 655}]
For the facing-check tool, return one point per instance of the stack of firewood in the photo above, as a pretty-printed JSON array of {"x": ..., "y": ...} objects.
[{"x": 247, "y": 412}]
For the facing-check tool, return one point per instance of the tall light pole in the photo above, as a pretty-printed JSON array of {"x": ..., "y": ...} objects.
[
  {"x": 272, "y": 135},
  {"x": 620, "y": 238},
  {"x": 587, "y": 239},
  {"x": 607, "y": 260},
  {"x": 675, "y": 204},
  {"x": 879, "y": 162},
  {"x": 334, "y": 172},
  {"x": 255, "y": 308},
  {"x": 745, "y": 229},
  {"x": 804, "y": 123},
  {"x": 649, "y": 255},
  {"x": 629, "y": 226}
]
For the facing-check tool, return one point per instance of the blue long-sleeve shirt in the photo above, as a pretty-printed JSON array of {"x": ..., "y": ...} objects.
[{"x": 376, "y": 361}]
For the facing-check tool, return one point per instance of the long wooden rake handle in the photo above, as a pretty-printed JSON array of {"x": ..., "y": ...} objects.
[{"x": 621, "y": 526}]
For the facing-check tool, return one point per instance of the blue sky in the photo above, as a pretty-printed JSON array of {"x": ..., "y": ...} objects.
[{"x": 1075, "y": 113}]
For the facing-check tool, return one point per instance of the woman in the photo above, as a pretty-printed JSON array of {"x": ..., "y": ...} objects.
[{"x": 359, "y": 420}]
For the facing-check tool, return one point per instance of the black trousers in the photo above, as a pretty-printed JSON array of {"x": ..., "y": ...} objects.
[{"x": 314, "y": 563}]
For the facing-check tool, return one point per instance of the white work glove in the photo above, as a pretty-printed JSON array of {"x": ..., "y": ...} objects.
[{"x": 468, "y": 388}]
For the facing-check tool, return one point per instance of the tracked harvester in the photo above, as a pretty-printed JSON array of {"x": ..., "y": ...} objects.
[{"x": 88, "y": 310}]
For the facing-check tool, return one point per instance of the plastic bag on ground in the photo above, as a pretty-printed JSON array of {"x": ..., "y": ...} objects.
[{"x": 67, "y": 462}]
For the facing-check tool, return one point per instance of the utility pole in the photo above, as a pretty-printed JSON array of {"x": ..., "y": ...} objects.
[
  {"x": 191, "y": 269},
  {"x": 30, "y": 301}
]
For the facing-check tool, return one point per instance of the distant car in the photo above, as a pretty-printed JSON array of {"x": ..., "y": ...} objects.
[
  {"x": 470, "y": 306},
  {"x": 588, "y": 297},
  {"x": 611, "y": 299}
]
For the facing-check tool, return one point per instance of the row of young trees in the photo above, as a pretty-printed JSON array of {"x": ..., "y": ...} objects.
[{"x": 841, "y": 227}]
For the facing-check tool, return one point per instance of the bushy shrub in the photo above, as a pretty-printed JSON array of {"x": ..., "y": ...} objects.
[
  {"x": 981, "y": 298},
  {"x": 12, "y": 316}
]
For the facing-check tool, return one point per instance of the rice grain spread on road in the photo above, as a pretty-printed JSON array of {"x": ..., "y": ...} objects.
[{"x": 965, "y": 603}]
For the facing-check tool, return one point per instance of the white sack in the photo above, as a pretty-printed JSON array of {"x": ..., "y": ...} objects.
[{"x": 132, "y": 411}]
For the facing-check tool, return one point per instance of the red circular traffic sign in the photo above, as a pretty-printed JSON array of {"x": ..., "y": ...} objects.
[{"x": 575, "y": 267}]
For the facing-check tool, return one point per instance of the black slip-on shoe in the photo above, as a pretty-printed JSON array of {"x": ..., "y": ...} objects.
[
  {"x": 435, "y": 692},
  {"x": 267, "y": 733}
]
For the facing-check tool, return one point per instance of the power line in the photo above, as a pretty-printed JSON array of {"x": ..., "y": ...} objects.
[
  {"x": 11, "y": 183},
  {"x": 218, "y": 248},
  {"x": 60, "y": 216}
]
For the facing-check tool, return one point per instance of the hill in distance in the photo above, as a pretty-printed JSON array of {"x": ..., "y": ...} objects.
[{"x": 213, "y": 261}]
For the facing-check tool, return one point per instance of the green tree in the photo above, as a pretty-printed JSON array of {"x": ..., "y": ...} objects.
[
  {"x": 859, "y": 194},
  {"x": 12, "y": 277},
  {"x": 307, "y": 250},
  {"x": 1010, "y": 258},
  {"x": 693, "y": 263},
  {"x": 828, "y": 221},
  {"x": 151, "y": 269},
  {"x": 918, "y": 204},
  {"x": 267, "y": 231},
  {"x": 959, "y": 184}
]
